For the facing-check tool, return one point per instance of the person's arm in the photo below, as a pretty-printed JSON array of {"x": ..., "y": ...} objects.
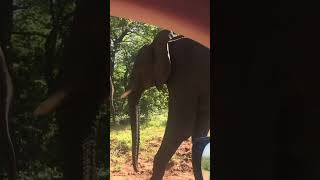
[{"x": 190, "y": 18}]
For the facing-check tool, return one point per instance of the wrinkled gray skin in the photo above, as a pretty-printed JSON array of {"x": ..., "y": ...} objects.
[
  {"x": 6, "y": 147},
  {"x": 184, "y": 66}
]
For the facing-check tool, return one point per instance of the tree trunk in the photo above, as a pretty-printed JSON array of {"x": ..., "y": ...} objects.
[
  {"x": 7, "y": 154},
  {"x": 57, "y": 20},
  {"x": 84, "y": 76}
]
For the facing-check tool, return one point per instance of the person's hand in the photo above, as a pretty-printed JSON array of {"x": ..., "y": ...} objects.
[{"x": 190, "y": 18}]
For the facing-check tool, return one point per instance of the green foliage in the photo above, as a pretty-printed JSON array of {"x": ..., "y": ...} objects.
[
  {"x": 35, "y": 140},
  {"x": 120, "y": 135},
  {"x": 37, "y": 40},
  {"x": 37, "y": 171},
  {"x": 205, "y": 163}
]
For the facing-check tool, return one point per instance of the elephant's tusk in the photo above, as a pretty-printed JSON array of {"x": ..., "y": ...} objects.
[
  {"x": 125, "y": 94},
  {"x": 50, "y": 104}
]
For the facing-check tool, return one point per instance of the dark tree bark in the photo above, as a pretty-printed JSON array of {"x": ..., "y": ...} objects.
[
  {"x": 84, "y": 79},
  {"x": 266, "y": 91},
  {"x": 6, "y": 24},
  {"x": 7, "y": 154},
  {"x": 57, "y": 20}
]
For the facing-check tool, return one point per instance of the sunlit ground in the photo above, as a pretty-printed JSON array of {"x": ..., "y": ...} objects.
[{"x": 179, "y": 167}]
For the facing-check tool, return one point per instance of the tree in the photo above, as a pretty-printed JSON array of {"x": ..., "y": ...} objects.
[
  {"x": 83, "y": 80},
  {"x": 37, "y": 38}
]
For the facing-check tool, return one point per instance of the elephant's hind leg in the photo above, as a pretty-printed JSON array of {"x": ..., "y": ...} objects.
[
  {"x": 200, "y": 129},
  {"x": 167, "y": 149},
  {"x": 201, "y": 125},
  {"x": 179, "y": 128}
]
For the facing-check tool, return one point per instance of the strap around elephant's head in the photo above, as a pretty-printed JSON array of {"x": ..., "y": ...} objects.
[
  {"x": 174, "y": 36},
  {"x": 161, "y": 57}
]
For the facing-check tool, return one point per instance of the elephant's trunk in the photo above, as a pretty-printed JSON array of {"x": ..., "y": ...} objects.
[{"x": 133, "y": 102}]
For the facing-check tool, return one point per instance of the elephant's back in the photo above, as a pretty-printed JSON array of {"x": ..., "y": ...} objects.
[
  {"x": 189, "y": 52},
  {"x": 190, "y": 62}
]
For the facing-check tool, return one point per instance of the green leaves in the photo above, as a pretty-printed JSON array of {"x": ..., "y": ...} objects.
[
  {"x": 35, "y": 139},
  {"x": 37, "y": 41}
]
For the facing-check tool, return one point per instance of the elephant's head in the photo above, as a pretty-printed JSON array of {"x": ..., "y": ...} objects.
[{"x": 152, "y": 67}]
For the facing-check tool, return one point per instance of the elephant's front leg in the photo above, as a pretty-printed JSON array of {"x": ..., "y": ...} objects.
[{"x": 179, "y": 127}]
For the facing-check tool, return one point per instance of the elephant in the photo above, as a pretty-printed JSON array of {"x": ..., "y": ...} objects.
[
  {"x": 6, "y": 91},
  {"x": 183, "y": 65}
]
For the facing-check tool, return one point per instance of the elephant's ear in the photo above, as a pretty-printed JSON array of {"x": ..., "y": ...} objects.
[{"x": 161, "y": 57}]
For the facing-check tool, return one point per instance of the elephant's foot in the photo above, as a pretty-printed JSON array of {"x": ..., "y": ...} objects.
[
  {"x": 155, "y": 177},
  {"x": 159, "y": 167},
  {"x": 169, "y": 145},
  {"x": 158, "y": 170}
]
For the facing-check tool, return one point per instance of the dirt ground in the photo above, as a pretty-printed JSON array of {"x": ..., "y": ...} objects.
[{"x": 180, "y": 167}]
